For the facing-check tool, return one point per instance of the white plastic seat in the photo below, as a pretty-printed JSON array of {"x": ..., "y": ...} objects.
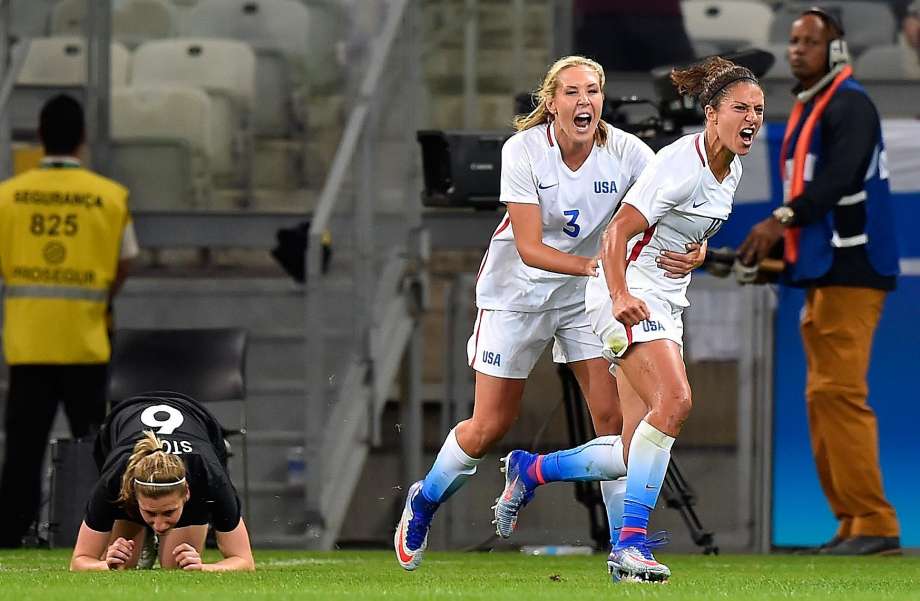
[
  {"x": 67, "y": 17},
  {"x": 888, "y": 62},
  {"x": 219, "y": 66},
  {"x": 729, "y": 24},
  {"x": 225, "y": 69},
  {"x": 136, "y": 21},
  {"x": 277, "y": 30},
  {"x": 30, "y": 18},
  {"x": 702, "y": 49},
  {"x": 867, "y": 24},
  {"x": 780, "y": 68},
  {"x": 161, "y": 139},
  {"x": 277, "y": 24},
  {"x": 133, "y": 21},
  {"x": 61, "y": 61}
]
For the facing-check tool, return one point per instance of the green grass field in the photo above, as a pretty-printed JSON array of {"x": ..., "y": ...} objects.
[{"x": 33, "y": 575}]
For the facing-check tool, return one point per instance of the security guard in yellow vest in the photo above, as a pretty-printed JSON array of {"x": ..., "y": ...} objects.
[{"x": 66, "y": 241}]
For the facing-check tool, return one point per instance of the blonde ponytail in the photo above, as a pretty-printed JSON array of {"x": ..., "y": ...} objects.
[{"x": 150, "y": 463}]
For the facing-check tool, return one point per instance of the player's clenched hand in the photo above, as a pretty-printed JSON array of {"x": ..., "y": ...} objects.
[
  {"x": 187, "y": 557},
  {"x": 629, "y": 310},
  {"x": 591, "y": 267},
  {"x": 118, "y": 553},
  {"x": 677, "y": 265}
]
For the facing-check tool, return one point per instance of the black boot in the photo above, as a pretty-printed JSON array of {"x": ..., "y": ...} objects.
[
  {"x": 867, "y": 545},
  {"x": 824, "y": 548}
]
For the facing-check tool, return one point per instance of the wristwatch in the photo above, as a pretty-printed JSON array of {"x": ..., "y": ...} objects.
[{"x": 784, "y": 215}]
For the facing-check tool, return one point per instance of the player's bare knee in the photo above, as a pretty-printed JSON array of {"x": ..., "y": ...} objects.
[
  {"x": 479, "y": 436},
  {"x": 679, "y": 404}
]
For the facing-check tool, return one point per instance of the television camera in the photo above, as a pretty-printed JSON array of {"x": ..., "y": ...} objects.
[{"x": 462, "y": 168}]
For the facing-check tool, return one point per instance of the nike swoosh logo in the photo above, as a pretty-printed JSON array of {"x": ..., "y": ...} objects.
[
  {"x": 404, "y": 556},
  {"x": 542, "y": 187},
  {"x": 510, "y": 489},
  {"x": 650, "y": 487},
  {"x": 695, "y": 205}
]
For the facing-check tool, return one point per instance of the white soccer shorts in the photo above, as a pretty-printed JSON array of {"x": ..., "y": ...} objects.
[
  {"x": 665, "y": 320},
  {"x": 507, "y": 344}
]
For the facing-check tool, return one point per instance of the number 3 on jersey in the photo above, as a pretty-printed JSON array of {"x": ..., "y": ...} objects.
[
  {"x": 167, "y": 426},
  {"x": 571, "y": 228}
]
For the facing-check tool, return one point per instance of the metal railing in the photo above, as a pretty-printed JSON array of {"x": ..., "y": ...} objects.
[{"x": 379, "y": 133}]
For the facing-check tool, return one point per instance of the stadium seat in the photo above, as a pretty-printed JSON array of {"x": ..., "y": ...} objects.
[
  {"x": 729, "y": 24},
  {"x": 73, "y": 474},
  {"x": 133, "y": 21},
  {"x": 866, "y": 23},
  {"x": 161, "y": 140},
  {"x": 225, "y": 69},
  {"x": 701, "y": 49},
  {"x": 893, "y": 62},
  {"x": 206, "y": 364},
  {"x": 278, "y": 24},
  {"x": 137, "y": 21},
  {"x": 277, "y": 31},
  {"x": 67, "y": 17},
  {"x": 30, "y": 18},
  {"x": 780, "y": 68},
  {"x": 61, "y": 61}
]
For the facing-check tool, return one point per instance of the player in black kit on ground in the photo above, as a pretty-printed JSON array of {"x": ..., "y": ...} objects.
[{"x": 162, "y": 458}]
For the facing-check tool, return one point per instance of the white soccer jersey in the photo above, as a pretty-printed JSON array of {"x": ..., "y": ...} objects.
[
  {"x": 575, "y": 206},
  {"x": 683, "y": 203}
]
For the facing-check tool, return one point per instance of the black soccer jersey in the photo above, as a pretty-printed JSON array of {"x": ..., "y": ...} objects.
[{"x": 186, "y": 430}]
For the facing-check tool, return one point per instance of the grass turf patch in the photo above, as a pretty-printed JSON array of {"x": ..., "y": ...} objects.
[{"x": 39, "y": 575}]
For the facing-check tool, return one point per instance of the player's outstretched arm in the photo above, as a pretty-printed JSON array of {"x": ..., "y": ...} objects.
[
  {"x": 233, "y": 545},
  {"x": 94, "y": 553}
]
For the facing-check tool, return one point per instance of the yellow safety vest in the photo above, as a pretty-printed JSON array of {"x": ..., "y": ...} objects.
[{"x": 60, "y": 237}]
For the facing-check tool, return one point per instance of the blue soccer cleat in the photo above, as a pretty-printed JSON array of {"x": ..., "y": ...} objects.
[
  {"x": 516, "y": 494},
  {"x": 411, "y": 535}
]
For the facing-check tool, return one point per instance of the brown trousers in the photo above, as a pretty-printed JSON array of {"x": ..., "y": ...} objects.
[{"x": 837, "y": 329}]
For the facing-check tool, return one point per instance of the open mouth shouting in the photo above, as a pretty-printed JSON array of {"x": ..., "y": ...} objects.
[
  {"x": 747, "y": 136},
  {"x": 582, "y": 122}
]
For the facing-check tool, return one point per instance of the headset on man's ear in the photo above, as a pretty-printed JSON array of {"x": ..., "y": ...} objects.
[{"x": 837, "y": 51}]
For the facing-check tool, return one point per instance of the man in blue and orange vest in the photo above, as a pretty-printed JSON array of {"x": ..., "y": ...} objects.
[
  {"x": 66, "y": 241},
  {"x": 839, "y": 244}
]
